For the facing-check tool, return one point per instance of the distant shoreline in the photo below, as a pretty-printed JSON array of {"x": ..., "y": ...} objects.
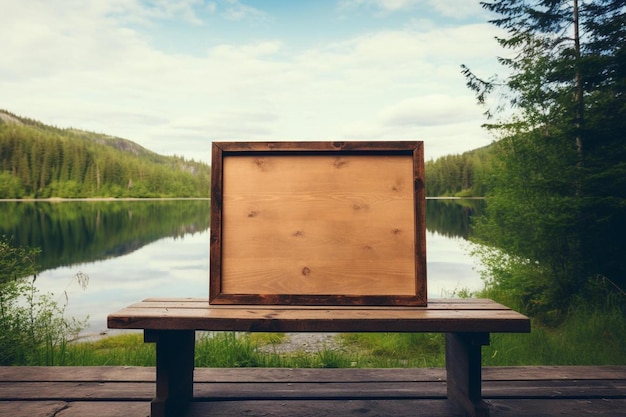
[
  {"x": 61, "y": 200},
  {"x": 456, "y": 198}
]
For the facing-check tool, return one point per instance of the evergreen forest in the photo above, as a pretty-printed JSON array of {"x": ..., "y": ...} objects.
[
  {"x": 41, "y": 161},
  {"x": 553, "y": 236},
  {"x": 462, "y": 175}
]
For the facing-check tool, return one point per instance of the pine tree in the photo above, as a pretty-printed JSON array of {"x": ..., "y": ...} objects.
[{"x": 559, "y": 197}]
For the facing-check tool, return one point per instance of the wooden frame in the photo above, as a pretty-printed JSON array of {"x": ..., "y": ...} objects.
[{"x": 318, "y": 223}]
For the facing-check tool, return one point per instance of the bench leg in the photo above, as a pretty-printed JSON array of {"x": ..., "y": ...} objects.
[
  {"x": 463, "y": 368},
  {"x": 174, "y": 371}
]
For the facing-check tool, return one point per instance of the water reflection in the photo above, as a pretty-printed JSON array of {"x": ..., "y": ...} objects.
[
  {"x": 450, "y": 268},
  {"x": 451, "y": 217},
  {"x": 151, "y": 249},
  {"x": 170, "y": 267},
  {"x": 76, "y": 232}
]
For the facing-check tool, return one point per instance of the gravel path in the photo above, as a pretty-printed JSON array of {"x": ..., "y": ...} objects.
[{"x": 304, "y": 342}]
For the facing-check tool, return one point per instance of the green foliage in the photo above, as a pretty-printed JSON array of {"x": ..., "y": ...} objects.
[
  {"x": 44, "y": 161},
  {"x": 33, "y": 329},
  {"x": 532, "y": 217},
  {"x": 464, "y": 175},
  {"x": 557, "y": 199},
  {"x": 590, "y": 332},
  {"x": 10, "y": 186},
  {"x": 16, "y": 262}
]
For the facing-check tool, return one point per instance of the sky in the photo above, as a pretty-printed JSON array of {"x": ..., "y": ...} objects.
[{"x": 176, "y": 75}]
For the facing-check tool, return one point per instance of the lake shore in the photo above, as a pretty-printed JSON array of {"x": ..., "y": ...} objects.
[{"x": 62, "y": 199}]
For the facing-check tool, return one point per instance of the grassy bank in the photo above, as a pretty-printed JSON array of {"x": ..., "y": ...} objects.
[{"x": 584, "y": 337}]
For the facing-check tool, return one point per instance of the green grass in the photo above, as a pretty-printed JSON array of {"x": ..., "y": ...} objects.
[
  {"x": 584, "y": 337},
  {"x": 124, "y": 349},
  {"x": 242, "y": 350},
  {"x": 390, "y": 350},
  {"x": 591, "y": 332}
]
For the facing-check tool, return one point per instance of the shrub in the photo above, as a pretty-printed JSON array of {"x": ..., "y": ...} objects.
[{"x": 33, "y": 327}]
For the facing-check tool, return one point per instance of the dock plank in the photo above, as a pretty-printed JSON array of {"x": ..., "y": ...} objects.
[
  {"x": 558, "y": 407},
  {"x": 90, "y": 390},
  {"x": 147, "y": 374},
  {"x": 31, "y": 408},
  {"x": 542, "y": 391},
  {"x": 106, "y": 409},
  {"x": 325, "y": 408}
]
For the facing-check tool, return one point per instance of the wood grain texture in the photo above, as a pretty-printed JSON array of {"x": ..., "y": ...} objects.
[
  {"x": 434, "y": 304},
  {"x": 498, "y": 383},
  {"x": 310, "y": 389},
  {"x": 322, "y": 223},
  {"x": 540, "y": 376},
  {"x": 481, "y": 316},
  {"x": 547, "y": 391},
  {"x": 318, "y": 225},
  {"x": 32, "y": 408},
  {"x": 463, "y": 370},
  {"x": 509, "y": 407},
  {"x": 174, "y": 369}
]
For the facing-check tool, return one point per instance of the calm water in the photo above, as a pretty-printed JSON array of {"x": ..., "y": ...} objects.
[{"x": 134, "y": 250}]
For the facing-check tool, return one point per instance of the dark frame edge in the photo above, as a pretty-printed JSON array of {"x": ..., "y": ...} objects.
[
  {"x": 215, "y": 245},
  {"x": 221, "y": 149}
]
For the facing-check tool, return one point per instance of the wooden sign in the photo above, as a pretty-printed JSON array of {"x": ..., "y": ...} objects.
[{"x": 318, "y": 223}]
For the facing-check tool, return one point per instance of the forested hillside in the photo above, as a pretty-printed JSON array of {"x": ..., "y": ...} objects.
[
  {"x": 464, "y": 175},
  {"x": 40, "y": 161}
]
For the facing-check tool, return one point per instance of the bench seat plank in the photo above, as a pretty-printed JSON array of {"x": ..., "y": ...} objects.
[
  {"x": 445, "y": 316},
  {"x": 437, "y": 304}
]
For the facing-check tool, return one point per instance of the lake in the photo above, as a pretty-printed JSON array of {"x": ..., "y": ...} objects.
[{"x": 130, "y": 250}]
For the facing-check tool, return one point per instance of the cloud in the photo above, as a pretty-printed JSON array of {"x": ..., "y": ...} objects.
[
  {"x": 457, "y": 9},
  {"x": 43, "y": 40},
  {"x": 429, "y": 110},
  {"x": 147, "y": 11},
  {"x": 163, "y": 9},
  {"x": 235, "y": 10},
  {"x": 380, "y": 5},
  {"x": 245, "y": 52},
  {"x": 86, "y": 66},
  {"x": 225, "y": 125},
  {"x": 442, "y": 121}
]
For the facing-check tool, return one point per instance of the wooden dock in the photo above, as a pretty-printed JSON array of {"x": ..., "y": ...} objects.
[{"x": 127, "y": 391}]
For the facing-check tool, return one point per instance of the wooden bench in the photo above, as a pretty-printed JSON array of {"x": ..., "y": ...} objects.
[{"x": 317, "y": 237}]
